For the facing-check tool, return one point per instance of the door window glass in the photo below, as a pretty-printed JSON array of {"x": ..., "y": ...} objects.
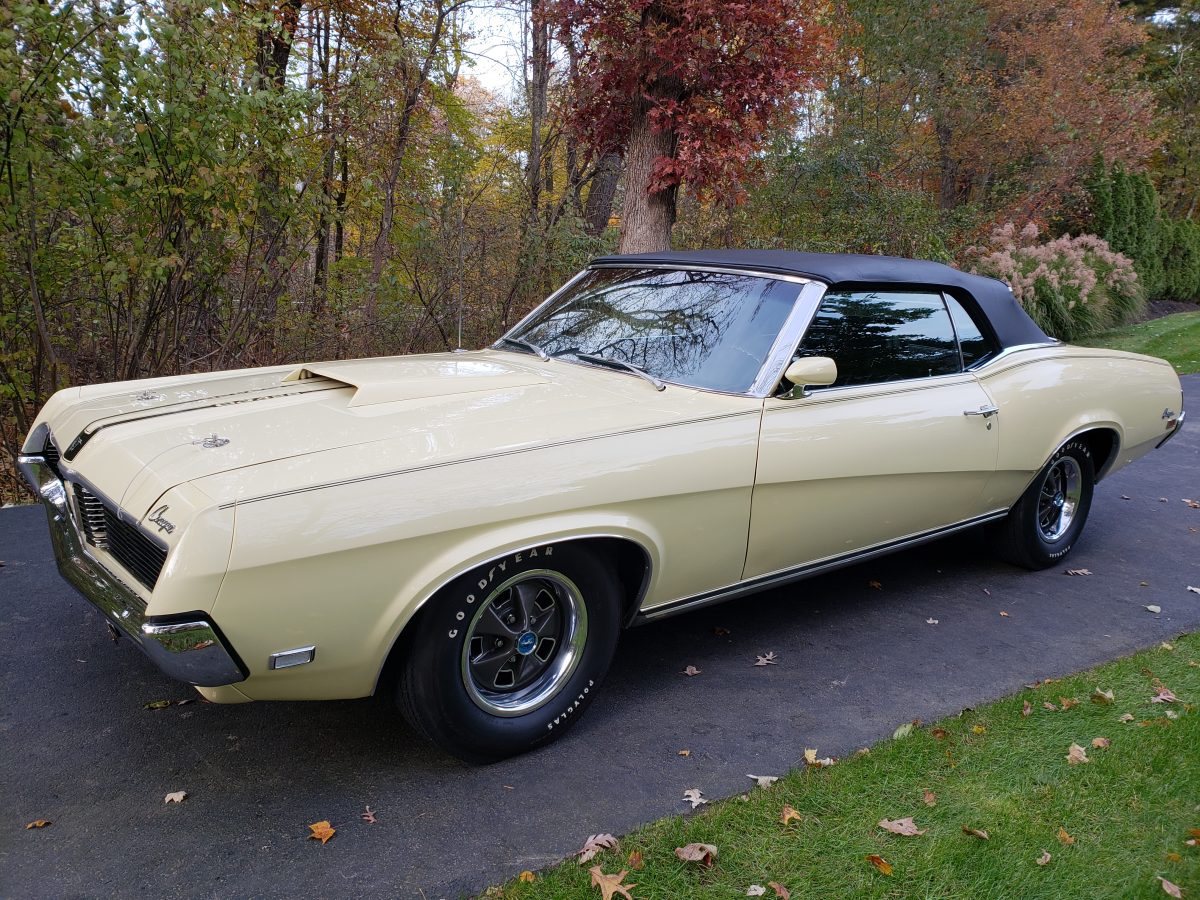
[
  {"x": 878, "y": 336},
  {"x": 975, "y": 346}
]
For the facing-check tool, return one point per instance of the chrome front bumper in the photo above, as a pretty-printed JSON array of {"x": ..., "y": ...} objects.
[{"x": 188, "y": 647}]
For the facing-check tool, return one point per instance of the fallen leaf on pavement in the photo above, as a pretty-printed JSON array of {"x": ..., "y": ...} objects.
[
  {"x": 1163, "y": 500},
  {"x": 768, "y": 660},
  {"x": 880, "y": 863},
  {"x": 1100, "y": 743},
  {"x": 1167, "y": 887},
  {"x": 685, "y": 752},
  {"x": 610, "y": 884},
  {"x": 368, "y": 816},
  {"x": 1065, "y": 839},
  {"x": 862, "y": 751},
  {"x": 1128, "y": 717},
  {"x": 1104, "y": 698},
  {"x": 788, "y": 814},
  {"x": 526, "y": 877},
  {"x": 1194, "y": 504},
  {"x": 1076, "y": 755},
  {"x": 1044, "y": 858},
  {"x": 1078, "y": 572},
  {"x": 905, "y": 827},
  {"x": 1124, "y": 497},
  {"x": 764, "y": 781},
  {"x": 1048, "y": 705},
  {"x": 876, "y": 585},
  {"x": 635, "y": 859},
  {"x": 1006, "y": 615},
  {"x": 703, "y": 854},
  {"x": 1026, "y": 708},
  {"x": 1194, "y": 590},
  {"x": 157, "y": 704},
  {"x": 931, "y": 621},
  {"x": 718, "y": 631},
  {"x": 40, "y": 823},
  {"x": 322, "y": 831},
  {"x": 755, "y": 890},
  {"x": 825, "y": 763},
  {"x": 596, "y": 843},
  {"x": 780, "y": 890},
  {"x": 175, "y": 797},
  {"x": 975, "y": 831},
  {"x": 691, "y": 670},
  {"x": 1068, "y": 702},
  {"x": 903, "y": 731},
  {"x": 1154, "y": 609},
  {"x": 692, "y": 796},
  {"x": 986, "y": 591},
  {"x": 810, "y": 756}
]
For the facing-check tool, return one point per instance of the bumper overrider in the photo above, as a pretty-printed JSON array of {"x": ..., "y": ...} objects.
[{"x": 189, "y": 646}]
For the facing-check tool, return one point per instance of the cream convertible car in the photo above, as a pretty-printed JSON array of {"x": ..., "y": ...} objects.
[{"x": 473, "y": 530}]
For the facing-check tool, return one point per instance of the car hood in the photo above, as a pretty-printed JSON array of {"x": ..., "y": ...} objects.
[{"x": 255, "y": 432}]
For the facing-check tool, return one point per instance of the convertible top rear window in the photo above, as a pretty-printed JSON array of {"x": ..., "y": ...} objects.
[{"x": 706, "y": 330}]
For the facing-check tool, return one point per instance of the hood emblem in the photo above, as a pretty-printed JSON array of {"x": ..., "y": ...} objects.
[
  {"x": 156, "y": 517},
  {"x": 212, "y": 442}
]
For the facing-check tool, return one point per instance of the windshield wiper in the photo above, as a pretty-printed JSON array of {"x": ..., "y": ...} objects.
[
  {"x": 533, "y": 348},
  {"x": 621, "y": 364}
]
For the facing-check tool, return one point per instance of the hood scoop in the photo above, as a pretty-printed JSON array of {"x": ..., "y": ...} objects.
[{"x": 379, "y": 381}]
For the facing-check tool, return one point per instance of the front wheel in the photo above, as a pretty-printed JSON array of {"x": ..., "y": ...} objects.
[
  {"x": 1045, "y": 523},
  {"x": 508, "y": 656}
]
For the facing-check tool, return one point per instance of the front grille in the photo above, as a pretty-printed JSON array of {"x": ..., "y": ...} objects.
[
  {"x": 125, "y": 542},
  {"x": 50, "y": 454}
]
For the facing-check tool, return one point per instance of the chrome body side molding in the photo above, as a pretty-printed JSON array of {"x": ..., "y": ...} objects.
[{"x": 808, "y": 570}]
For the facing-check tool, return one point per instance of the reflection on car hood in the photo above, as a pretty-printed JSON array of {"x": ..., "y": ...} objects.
[{"x": 276, "y": 429}]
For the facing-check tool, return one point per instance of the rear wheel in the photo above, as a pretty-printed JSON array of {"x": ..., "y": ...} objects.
[
  {"x": 509, "y": 655},
  {"x": 1045, "y": 523}
]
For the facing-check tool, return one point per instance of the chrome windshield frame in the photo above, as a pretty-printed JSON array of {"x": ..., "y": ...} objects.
[{"x": 785, "y": 343}]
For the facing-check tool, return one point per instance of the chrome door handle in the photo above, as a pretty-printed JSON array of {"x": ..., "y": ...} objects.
[{"x": 985, "y": 411}]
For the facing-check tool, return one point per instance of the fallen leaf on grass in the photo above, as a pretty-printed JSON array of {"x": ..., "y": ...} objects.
[
  {"x": 903, "y": 731},
  {"x": 1174, "y": 858},
  {"x": 596, "y": 843},
  {"x": 635, "y": 860},
  {"x": 526, "y": 877},
  {"x": 1154, "y": 609},
  {"x": 825, "y": 763},
  {"x": 368, "y": 816},
  {"x": 1165, "y": 646},
  {"x": 157, "y": 704},
  {"x": 702, "y": 854},
  {"x": 1048, "y": 705},
  {"x": 876, "y": 585},
  {"x": 691, "y": 670},
  {"x": 764, "y": 781},
  {"x": 979, "y": 729},
  {"x": 1104, "y": 698},
  {"x": 1026, "y": 708},
  {"x": 788, "y": 814},
  {"x": 1128, "y": 717},
  {"x": 175, "y": 797},
  {"x": 768, "y": 660},
  {"x": 1169, "y": 888},
  {"x": 905, "y": 827},
  {"x": 692, "y": 796},
  {"x": 755, "y": 890},
  {"x": 862, "y": 751},
  {"x": 322, "y": 831},
  {"x": 1068, "y": 702},
  {"x": 976, "y": 832},
  {"x": 1077, "y": 755},
  {"x": 1006, "y": 615},
  {"x": 1065, "y": 839},
  {"x": 610, "y": 884},
  {"x": 1078, "y": 572},
  {"x": 1044, "y": 858},
  {"x": 1100, "y": 743},
  {"x": 780, "y": 890},
  {"x": 931, "y": 621},
  {"x": 880, "y": 863},
  {"x": 40, "y": 823},
  {"x": 1164, "y": 695},
  {"x": 939, "y": 733}
]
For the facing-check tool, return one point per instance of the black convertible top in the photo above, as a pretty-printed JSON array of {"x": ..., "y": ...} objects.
[{"x": 1009, "y": 323}]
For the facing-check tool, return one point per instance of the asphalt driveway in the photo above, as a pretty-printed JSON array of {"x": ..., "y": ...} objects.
[{"x": 854, "y": 662}]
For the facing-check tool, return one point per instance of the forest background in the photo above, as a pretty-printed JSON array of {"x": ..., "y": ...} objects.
[{"x": 195, "y": 185}]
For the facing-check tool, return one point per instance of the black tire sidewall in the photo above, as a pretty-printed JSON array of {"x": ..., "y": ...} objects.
[
  {"x": 1046, "y": 553},
  {"x": 432, "y": 674}
]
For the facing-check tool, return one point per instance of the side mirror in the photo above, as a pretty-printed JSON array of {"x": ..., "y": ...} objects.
[{"x": 811, "y": 370}]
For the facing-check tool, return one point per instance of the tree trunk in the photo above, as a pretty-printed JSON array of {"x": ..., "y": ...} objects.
[
  {"x": 322, "y": 255},
  {"x": 600, "y": 198},
  {"x": 647, "y": 218},
  {"x": 538, "y": 87},
  {"x": 948, "y": 189}
]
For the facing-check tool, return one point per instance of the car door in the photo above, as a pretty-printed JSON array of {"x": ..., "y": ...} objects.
[{"x": 886, "y": 452}]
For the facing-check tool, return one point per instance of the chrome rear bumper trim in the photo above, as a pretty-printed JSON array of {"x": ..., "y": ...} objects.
[
  {"x": 189, "y": 648},
  {"x": 1174, "y": 431}
]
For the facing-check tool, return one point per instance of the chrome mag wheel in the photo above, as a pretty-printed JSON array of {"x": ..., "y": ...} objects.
[
  {"x": 1058, "y": 499},
  {"x": 524, "y": 643}
]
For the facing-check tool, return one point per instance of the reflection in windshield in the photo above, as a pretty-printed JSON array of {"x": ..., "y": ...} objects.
[{"x": 702, "y": 329}]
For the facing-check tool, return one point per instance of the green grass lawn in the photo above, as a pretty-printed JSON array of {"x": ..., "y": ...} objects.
[
  {"x": 1174, "y": 338},
  {"x": 1129, "y": 810}
]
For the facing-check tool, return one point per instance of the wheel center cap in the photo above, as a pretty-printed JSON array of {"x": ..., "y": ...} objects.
[
  {"x": 1058, "y": 499},
  {"x": 526, "y": 643}
]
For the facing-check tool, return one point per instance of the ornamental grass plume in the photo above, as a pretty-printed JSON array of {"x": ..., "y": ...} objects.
[{"x": 1071, "y": 286}]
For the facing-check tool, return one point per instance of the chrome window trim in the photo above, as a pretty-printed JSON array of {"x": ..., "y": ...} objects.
[
  {"x": 790, "y": 336},
  {"x": 1009, "y": 351}
]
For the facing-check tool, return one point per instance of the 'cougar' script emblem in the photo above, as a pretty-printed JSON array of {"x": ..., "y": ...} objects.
[{"x": 157, "y": 518}]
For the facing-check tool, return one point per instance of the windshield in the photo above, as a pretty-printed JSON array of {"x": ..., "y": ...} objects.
[{"x": 700, "y": 329}]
